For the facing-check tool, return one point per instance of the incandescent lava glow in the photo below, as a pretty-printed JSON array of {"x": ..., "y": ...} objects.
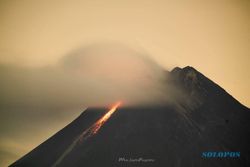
[
  {"x": 92, "y": 130},
  {"x": 102, "y": 120},
  {"x": 97, "y": 125}
]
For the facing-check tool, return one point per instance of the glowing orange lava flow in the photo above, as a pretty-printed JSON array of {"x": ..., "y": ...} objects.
[
  {"x": 92, "y": 130},
  {"x": 95, "y": 127},
  {"x": 102, "y": 120}
]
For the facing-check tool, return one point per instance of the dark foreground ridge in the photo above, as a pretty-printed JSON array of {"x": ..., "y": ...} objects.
[{"x": 207, "y": 119}]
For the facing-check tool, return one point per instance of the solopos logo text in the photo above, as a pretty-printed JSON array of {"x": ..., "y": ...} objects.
[{"x": 220, "y": 154}]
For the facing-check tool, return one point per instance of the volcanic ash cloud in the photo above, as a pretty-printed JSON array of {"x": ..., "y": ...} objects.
[{"x": 90, "y": 76}]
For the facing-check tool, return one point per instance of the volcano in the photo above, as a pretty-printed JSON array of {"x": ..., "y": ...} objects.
[{"x": 206, "y": 120}]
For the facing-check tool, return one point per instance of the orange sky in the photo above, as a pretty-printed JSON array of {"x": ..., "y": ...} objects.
[{"x": 213, "y": 36}]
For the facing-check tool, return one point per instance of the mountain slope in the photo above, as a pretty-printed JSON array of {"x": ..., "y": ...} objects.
[{"x": 205, "y": 118}]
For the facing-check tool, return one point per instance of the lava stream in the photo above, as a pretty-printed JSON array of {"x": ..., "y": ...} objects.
[
  {"x": 102, "y": 120},
  {"x": 92, "y": 130}
]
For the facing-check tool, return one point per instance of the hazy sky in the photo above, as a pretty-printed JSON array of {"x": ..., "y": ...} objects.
[{"x": 211, "y": 35}]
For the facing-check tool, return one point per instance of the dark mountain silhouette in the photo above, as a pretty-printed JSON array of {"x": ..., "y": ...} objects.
[{"x": 204, "y": 118}]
